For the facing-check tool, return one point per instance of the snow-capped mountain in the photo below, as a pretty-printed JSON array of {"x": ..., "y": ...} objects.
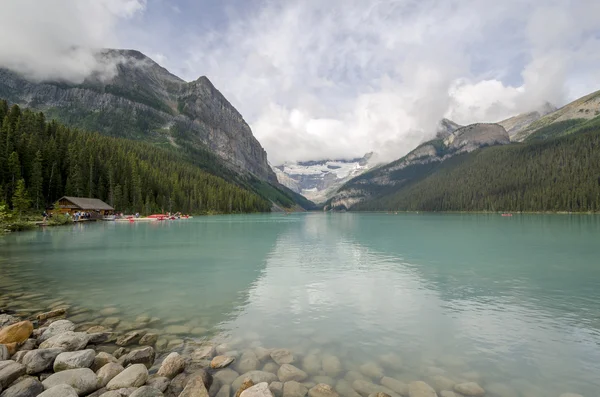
[{"x": 318, "y": 180}]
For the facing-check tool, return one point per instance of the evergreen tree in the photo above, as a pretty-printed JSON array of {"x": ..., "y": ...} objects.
[
  {"x": 36, "y": 182},
  {"x": 20, "y": 199}
]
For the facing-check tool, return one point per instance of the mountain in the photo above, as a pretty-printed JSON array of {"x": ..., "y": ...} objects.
[
  {"x": 316, "y": 180},
  {"x": 400, "y": 172},
  {"x": 576, "y": 112},
  {"x": 142, "y": 100},
  {"x": 516, "y": 124},
  {"x": 446, "y": 128}
]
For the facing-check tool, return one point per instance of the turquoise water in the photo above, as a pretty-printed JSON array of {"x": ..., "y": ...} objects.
[{"x": 512, "y": 301}]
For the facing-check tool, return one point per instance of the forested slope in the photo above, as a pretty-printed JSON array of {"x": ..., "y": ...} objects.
[{"x": 53, "y": 160}]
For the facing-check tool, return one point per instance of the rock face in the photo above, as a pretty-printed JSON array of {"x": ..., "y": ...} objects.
[
  {"x": 72, "y": 360},
  {"x": 16, "y": 333},
  {"x": 140, "y": 96},
  {"x": 83, "y": 380}
]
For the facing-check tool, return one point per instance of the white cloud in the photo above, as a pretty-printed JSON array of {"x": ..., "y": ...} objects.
[{"x": 57, "y": 39}]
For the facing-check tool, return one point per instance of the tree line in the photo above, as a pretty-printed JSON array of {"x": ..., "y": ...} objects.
[{"x": 41, "y": 161}]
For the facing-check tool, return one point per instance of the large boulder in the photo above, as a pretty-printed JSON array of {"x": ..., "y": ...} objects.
[
  {"x": 256, "y": 377},
  {"x": 39, "y": 360},
  {"x": 470, "y": 389},
  {"x": 76, "y": 359},
  {"x": 56, "y": 328},
  {"x": 420, "y": 389},
  {"x": 288, "y": 372},
  {"x": 83, "y": 380},
  {"x": 283, "y": 356},
  {"x": 16, "y": 333},
  {"x": 28, "y": 387},
  {"x": 133, "y": 376},
  {"x": 294, "y": 389},
  {"x": 144, "y": 355},
  {"x": 61, "y": 390},
  {"x": 258, "y": 390},
  {"x": 172, "y": 365},
  {"x": 195, "y": 387},
  {"x": 9, "y": 372},
  {"x": 146, "y": 391},
  {"x": 323, "y": 390},
  {"x": 108, "y": 372},
  {"x": 68, "y": 341}
]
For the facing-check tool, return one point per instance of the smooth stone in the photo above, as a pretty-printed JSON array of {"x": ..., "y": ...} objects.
[
  {"x": 224, "y": 391},
  {"x": 146, "y": 391},
  {"x": 245, "y": 385},
  {"x": 256, "y": 377},
  {"x": 177, "y": 329},
  {"x": 11, "y": 347},
  {"x": 283, "y": 356},
  {"x": 102, "y": 359},
  {"x": 83, "y": 380},
  {"x": 16, "y": 333},
  {"x": 97, "y": 329},
  {"x": 144, "y": 355},
  {"x": 68, "y": 341},
  {"x": 372, "y": 370},
  {"x": 121, "y": 351},
  {"x": 221, "y": 361},
  {"x": 50, "y": 314},
  {"x": 110, "y": 321},
  {"x": 309, "y": 384},
  {"x": 248, "y": 362},
  {"x": 395, "y": 385},
  {"x": 502, "y": 390},
  {"x": 129, "y": 338},
  {"x": 420, "y": 389},
  {"x": 102, "y": 337},
  {"x": 258, "y": 390},
  {"x": 4, "y": 355},
  {"x": 226, "y": 376},
  {"x": 56, "y": 328},
  {"x": 328, "y": 380},
  {"x": 9, "y": 372},
  {"x": 6, "y": 320},
  {"x": 108, "y": 372},
  {"x": 133, "y": 376},
  {"x": 123, "y": 392},
  {"x": 271, "y": 367},
  {"x": 323, "y": 390},
  {"x": 351, "y": 376},
  {"x": 294, "y": 389},
  {"x": 18, "y": 356},
  {"x": 276, "y": 388},
  {"x": 380, "y": 394},
  {"x": 261, "y": 353},
  {"x": 109, "y": 311},
  {"x": 195, "y": 387},
  {"x": 214, "y": 389},
  {"x": 345, "y": 389},
  {"x": 172, "y": 365},
  {"x": 28, "y": 387},
  {"x": 392, "y": 361},
  {"x": 312, "y": 364},
  {"x": 366, "y": 388},
  {"x": 161, "y": 344},
  {"x": 331, "y": 365},
  {"x": 72, "y": 360},
  {"x": 448, "y": 393},
  {"x": 149, "y": 339},
  {"x": 29, "y": 344},
  {"x": 61, "y": 390},
  {"x": 471, "y": 389},
  {"x": 177, "y": 384},
  {"x": 203, "y": 352},
  {"x": 159, "y": 383},
  {"x": 288, "y": 372},
  {"x": 40, "y": 360},
  {"x": 442, "y": 383}
]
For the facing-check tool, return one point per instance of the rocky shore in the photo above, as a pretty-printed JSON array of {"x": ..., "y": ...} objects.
[{"x": 63, "y": 351}]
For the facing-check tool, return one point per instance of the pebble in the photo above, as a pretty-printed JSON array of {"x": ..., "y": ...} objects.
[
  {"x": 395, "y": 385},
  {"x": 149, "y": 339},
  {"x": 246, "y": 384},
  {"x": 332, "y": 365},
  {"x": 50, "y": 314},
  {"x": 276, "y": 388},
  {"x": 4, "y": 353},
  {"x": 256, "y": 377},
  {"x": 372, "y": 370},
  {"x": 101, "y": 359},
  {"x": 195, "y": 387},
  {"x": 160, "y": 383},
  {"x": 271, "y": 367},
  {"x": 129, "y": 338},
  {"x": 312, "y": 364}
]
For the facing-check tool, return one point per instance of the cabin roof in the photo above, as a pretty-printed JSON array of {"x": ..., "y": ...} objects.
[{"x": 87, "y": 203}]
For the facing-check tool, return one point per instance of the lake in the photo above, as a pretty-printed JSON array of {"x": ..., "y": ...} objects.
[{"x": 510, "y": 302}]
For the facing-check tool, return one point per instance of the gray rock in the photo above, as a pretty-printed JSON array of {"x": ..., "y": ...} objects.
[
  {"x": 28, "y": 387},
  {"x": 130, "y": 338},
  {"x": 144, "y": 355},
  {"x": 172, "y": 365},
  {"x": 177, "y": 384},
  {"x": 4, "y": 355},
  {"x": 146, "y": 391},
  {"x": 29, "y": 344},
  {"x": 392, "y": 361},
  {"x": 61, "y": 390},
  {"x": 271, "y": 367},
  {"x": 448, "y": 393},
  {"x": 351, "y": 376},
  {"x": 226, "y": 376},
  {"x": 102, "y": 359},
  {"x": 288, "y": 372},
  {"x": 276, "y": 388},
  {"x": 72, "y": 360},
  {"x": 256, "y": 377},
  {"x": 120, "y": 352},
  {"x": 108, "y": 372},
  {"x": 470, "y": 389},
  {"x": 9, "y": 372},
  {"x": 123, "y": 392},
  {"x": 56, "y": 328},
  {"x": 323, "y": 390},
  {"x": 328, "y": 380},
  {"x": 68, "y": 341},
  {"x": 221, "y": 361},
  {"x": 133, "y": 376},
  {"x": 331, "y": 365},
  {"x": 159, "y": 383},
  {"x": 7, "y": 319},
  {"x": 261, "y": 353},
  {"x": 501, "y": 390},
  {"x": 395, "y": 385},
  {"x": 18, "y": 356},
  {"x": 195, "y": 387},
  {"x": 102, "y": 337},
  {"x": 372, "y": 370},
  {"x": 83, "y": 380},
  {"x": 248, "y": 362},
  {"x": 367, "y": 388},
  {"x": 294, "y": 389},
  {"x": 224, "y": 391},
  {"x": 204, "y": 352},
  {"x": 345, "y": 389},
  {"x": 149, "y": 339},
  {"x": 420, "y": 389},
  {"x": 283, "y": 356},
  {"x": 258, "y": 390},
  {"x": 312, "y": 364}
]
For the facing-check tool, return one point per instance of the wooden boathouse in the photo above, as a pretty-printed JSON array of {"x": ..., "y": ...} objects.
[{"x": 70, "y": 205}]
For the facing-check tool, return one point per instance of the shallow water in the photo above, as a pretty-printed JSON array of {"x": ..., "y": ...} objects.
[{"x": 514, "y": 300}]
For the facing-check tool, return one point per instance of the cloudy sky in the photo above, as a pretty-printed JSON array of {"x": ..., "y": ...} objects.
[{"x": 320, "y": 79}]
